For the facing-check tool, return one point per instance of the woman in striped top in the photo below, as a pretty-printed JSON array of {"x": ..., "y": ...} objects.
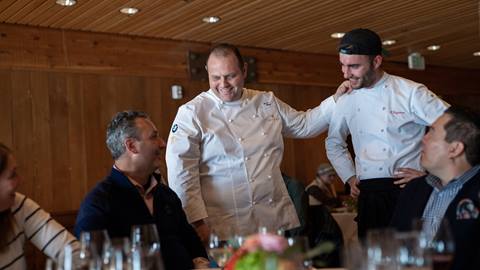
[{"x": 22, "y": 219}]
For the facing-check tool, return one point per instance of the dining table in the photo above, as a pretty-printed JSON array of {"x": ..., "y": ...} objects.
[{"x": 348, "y": 226}]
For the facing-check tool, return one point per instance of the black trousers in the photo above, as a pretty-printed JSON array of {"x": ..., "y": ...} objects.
[{"x": 376, "y": 204}]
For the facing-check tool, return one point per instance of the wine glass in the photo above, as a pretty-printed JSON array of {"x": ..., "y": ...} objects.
[
  {"x": 92, "y": 246},
  {"x": 442, "y": 247},
  {"x": 298, "y": 247},
  {"x": 381, "y": 249},
  {"x": 118, "y": 255},
  {"x": 219, "y": 250},
  {"x": 146, "y": 247},
  {"x": 411, "y": 252}
]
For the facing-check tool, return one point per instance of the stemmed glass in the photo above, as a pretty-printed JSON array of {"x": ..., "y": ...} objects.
[
  {"x": 411, "y": 253},
  {"x": 299, "y": 246},
  {"x": 146, "y": 248},
  {"x": 219, "y": 250},
  {"x": 118, "y": 255},
  {"x": 92, "y": 246},
  {"x": 381, "y": 249},
  {"x": 442, "y": 247}
]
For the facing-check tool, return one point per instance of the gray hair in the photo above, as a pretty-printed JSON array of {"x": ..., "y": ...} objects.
[{"x": 122, "y": 127}]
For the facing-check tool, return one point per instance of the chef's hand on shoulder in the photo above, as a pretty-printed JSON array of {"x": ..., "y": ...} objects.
[
  {"x": 354, "y": 190},
  {"x": 405, "y": 175},
  {"x": 344, "y": 88}
]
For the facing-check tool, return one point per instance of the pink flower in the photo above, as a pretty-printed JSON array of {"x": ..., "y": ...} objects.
[{"x": 267, "y": 242}]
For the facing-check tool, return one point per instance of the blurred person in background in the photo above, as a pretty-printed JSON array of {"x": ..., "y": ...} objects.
[{"x": 322, "y": 189}]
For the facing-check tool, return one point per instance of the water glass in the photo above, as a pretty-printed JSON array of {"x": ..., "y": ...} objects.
[
  {"x": 219, "y": 250},
  {"x": 442, "y": 247},
  {"x": 146, "y": 252},
  {"x": 411, "y": 253},
  {"x": 118, "y": 255},
  {"x": 298, "y": 247},
  {"x": 381, "y": 249}
]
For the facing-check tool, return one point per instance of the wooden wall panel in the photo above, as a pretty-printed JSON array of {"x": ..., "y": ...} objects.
[
  {"x": 6, "y": 100},
  {"x": 60, "y": 89},
  {"x": 41, "y": 152}
]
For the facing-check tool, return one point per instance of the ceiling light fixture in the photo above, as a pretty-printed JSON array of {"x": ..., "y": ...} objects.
[
  {"x": 211, "y": 19},
  {"x": 476, "y": 53},
  {"x": 66, "y": 3},
  {"x": 129, "y": 10},
  {"x": 337, "y": 35},
  {"x": 389, "y": 42},
  {"x": 433, "y": 48}
]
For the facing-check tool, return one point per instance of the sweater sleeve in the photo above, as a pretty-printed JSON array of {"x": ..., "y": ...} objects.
[{"x": 43, "y": 231}]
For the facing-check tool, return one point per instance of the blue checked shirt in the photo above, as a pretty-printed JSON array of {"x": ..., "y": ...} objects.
[{"x": 440, "y": 200}]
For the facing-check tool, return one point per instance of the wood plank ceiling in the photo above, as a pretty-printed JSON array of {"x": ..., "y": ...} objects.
[{"x": 293, "y": 25}]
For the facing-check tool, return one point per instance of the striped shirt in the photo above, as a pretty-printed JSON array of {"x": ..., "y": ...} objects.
[
  {"x": 440, "y": 199},
  {"x": 32, "y": 223}
]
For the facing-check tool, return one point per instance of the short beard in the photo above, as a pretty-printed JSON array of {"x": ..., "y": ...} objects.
[{"x": 368, "y": 78}]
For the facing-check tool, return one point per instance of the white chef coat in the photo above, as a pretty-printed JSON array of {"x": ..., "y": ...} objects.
[
  {"x": 387, "y": 123},
  {"x": 223, "y": 159}
]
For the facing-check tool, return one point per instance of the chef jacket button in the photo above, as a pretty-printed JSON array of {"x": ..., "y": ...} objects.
[
  {"x": 270, "y": 200},
  {"x": 364, "y": 169},
  {"x": 254, "y": 202},
  {"x": 240, "y": 139},
  {"x": 384, "y": 149},
  {"x": 358, "y": 109},
  {"x": 380, "y": 169},
  {"x": 385, "y": 86},
  {"x": 230, "y": 120},
  {"x": 255, "y": 116},
  {"x": 251, "y": 180},
  {"x": 265, "y": 155},
  {"x": 247, "y": 158},
  {"x": 269, "y": 177},
  {"x": 263, "y": 133},
  {"x": 384, "y": 108},
  {"x": 382, "y": 130}
]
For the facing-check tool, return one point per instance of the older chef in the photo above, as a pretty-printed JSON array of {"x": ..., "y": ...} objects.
[{"x": 225, "y": 148}]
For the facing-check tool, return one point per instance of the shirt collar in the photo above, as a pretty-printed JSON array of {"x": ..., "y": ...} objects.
[
  {"x": 219, "y": 101},
  {"x": 140, "y": 188},
  {"x": 436, "y": 183}
]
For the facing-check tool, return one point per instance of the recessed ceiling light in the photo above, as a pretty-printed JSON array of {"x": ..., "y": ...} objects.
[
  {"x": 129, "y": 10},
  {"x": 433, "y": 48},
  {"x": 211, "y": 19},
  {"x": 389, "y": 42},
  {"x": 66, "y": 3},
  {"x": 337, "y": 35},
  {"x": 476, "y": 53}
]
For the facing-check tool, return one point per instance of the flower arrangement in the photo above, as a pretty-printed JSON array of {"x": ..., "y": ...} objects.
[{"x": 272, "y": 252}]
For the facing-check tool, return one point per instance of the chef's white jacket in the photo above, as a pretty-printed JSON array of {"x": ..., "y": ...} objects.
[
  {"x": 387, "y": 123},
  {"x": 223, "y": 159}
]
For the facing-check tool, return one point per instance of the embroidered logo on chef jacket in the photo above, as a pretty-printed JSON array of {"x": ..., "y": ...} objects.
[
  {"x": 466, "y": 209},
  {"x": 174, "y": 128},
  {"x": 267, "y": 103}
]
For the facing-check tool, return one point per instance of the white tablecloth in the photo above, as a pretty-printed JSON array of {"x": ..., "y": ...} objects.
[{"x": 348, "y": 226}]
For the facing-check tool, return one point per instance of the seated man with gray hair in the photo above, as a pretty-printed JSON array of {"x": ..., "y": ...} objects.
[{"x": 133, "y": 194}]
